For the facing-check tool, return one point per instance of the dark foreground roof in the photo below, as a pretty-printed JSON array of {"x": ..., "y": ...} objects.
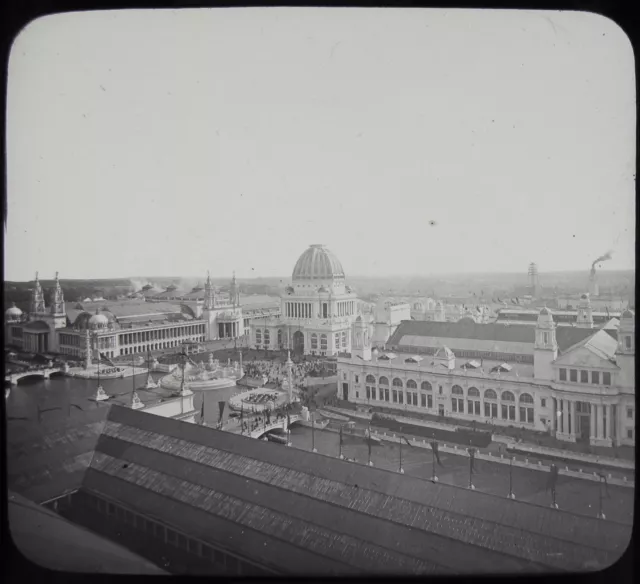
[
  {"x": 515, "y": 333},
  {"x": 52, "y": 542},
  {"x": 299, "y": 512}
]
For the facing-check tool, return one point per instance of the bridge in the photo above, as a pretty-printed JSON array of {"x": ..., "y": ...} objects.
[
  {"x": 265, "y": 428},
  {"x": 46, "y": 373}
]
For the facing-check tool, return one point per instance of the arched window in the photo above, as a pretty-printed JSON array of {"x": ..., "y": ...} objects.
[
  {"x": 383, "y": 381},
  {"x": 490, "y": 394},
  {"x": 490, "y": 407},
  {"x": 473, "y": 401},
  {"x": 411, "y": 384},
  {"x": 457, "y": 390},
  {"x": 323, "y": 342},
  {"x": 344, "y": 339},
  {"x": 267, "y": 337},
  {"x": 279, "y": 337},
  {"x": 314, "y": 341},
  {"x": 508, "y": 410},
  {"x": 426, "y": 386},
  {"x": 526, "y": 408},
  {"x": 371, "y": 379},
  {"x": 397, "y": 382},
  {"x": 258, "y": 336}
]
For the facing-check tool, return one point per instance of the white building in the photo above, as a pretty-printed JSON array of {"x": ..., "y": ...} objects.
[
  {"x": 123, "y": 327},
  {"x": 576, "y": 383},
  {"x": 317, "y": 310}
]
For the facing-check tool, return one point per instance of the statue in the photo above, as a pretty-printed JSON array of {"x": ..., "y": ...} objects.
[{"x": 136, "y": 404}]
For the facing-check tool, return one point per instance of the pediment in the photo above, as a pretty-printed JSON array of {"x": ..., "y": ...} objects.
[{"x": 583, "y": 357}]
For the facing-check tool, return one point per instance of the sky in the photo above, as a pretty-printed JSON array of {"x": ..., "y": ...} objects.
[{"x": 409, "y": 141}]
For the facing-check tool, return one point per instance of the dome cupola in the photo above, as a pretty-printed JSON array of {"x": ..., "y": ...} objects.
[
  {"x": 98, "y": 321},
  {"x": 13, "y": 313},
  {"x": 317, "y": 263}
]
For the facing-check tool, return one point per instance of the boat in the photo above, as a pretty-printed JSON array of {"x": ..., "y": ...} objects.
[{"x": 278, "y": 438}]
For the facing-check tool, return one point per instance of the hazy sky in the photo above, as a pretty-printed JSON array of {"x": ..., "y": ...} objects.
[{"x": 159, "y": 143}]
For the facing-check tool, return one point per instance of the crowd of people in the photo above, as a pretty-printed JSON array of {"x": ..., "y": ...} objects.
[{"x": 276, "y": 371}]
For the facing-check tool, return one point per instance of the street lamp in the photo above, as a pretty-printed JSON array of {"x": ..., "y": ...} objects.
[{"x": 511, "y": 495}]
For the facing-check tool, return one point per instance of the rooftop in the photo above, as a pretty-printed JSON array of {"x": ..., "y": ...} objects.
[
  {"x": 300, "y": 512},
  {"x": 52, "y": 542}
]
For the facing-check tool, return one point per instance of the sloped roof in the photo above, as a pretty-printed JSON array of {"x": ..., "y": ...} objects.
[
  {"x": 502, "y": 337},
  {"x": 300, "y": 512},
  {"x": 599, "y": 343},
  {"x": 52, "y": 542}
]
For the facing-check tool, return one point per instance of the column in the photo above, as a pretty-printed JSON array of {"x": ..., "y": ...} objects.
[
  {"x": 574, "y": 419},
  {"x": 607, "y": 411},
  {"x": 598, "y": 415},
  {"x": 592, "y": 420},
  {"x": 565, "y": 416}
]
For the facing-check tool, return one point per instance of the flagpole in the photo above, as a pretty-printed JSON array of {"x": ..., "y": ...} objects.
[
  {"x": 601, "y": 514},
  {"x": 369, "y": 444},
  {"x": 340, "y": 455},
  {"x": 471, "y": 455},
  {"x": 401, "y": 470},
  {"x": 313, "y": 433},
  {"x": 511, "y": 495}
]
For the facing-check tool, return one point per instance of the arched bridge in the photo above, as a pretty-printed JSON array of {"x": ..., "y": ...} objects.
[
  {"x": 46, "y": 373},
  {"x": 262, "y": 430}
]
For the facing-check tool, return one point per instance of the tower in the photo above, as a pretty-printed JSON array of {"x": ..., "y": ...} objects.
[
  {"x": 57, "y": 308},
  {"x": 545, "y": 350},
  {"x": 361, "y": 340},
  {"x": 234, "y": 291},
  {"x": 625, "y": 353},
  {"x": 594, "y": 288},
  {"x": 209, "y": 294},
  {"x": 585, "y": 314},
  {"x": 534, "y": 280},
  {"x": 440, "y": 315},
  {"x": 37, "y": 299}
]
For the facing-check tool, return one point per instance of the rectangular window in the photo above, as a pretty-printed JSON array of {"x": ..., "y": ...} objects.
[
  {"x": 595, "y": 377},
  {"x": 530, "y": 415},
  {"x": 111, "y": 509},
  {"x": 584, "y": 377},
  {"x": 630, "y": 433},
  {"x": 415, "y": 398},
  {"x": 627, "y": 342},
  {"x": 400, "y": 397},
  {"x": 512, "y": 413},
  {"x": 606, "y": 378},
  {"x": 430, "y": 401},
  {"x": 487, "y": 410},
  {"x": 357, "y": 379},
  {"x": 386, "y": 394},
  {"x": 563, "y": 374},
  {"x": 183, "y": 542},
  {"x": 423, "y": 400},
  {"x": 543, "y": 402},
  {"x": 357, "y": 394},
  {"x": 172, "y": 537},
  {"x": 454, "y": 405},
  {"x": 573, "y": 375},
  {"x": 523, "y": 414},
  {"x": 630, "y": 413},
  {"x": 394, "y": 394},
  {"x": 368, "y": 392},
  {"x": 505, "y": 412},
  {"x": 477, "y": 408}
]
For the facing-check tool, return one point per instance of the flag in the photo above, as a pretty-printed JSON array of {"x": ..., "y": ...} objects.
[
  {"x": 221, "y": 405},
  {"x": 472, "y": 458},
  {"x": 553, "y": 478},
  {"x": 434, "y": 447}
]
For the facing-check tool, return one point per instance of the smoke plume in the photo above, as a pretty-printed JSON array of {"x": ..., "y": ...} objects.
[{"x": 602, "y": 258}]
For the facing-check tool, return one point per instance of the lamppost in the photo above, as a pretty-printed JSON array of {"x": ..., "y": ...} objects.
[
  {"x": 511, "y": 495},
  {"x": 472, "y": 453},
  {"x": 601, "y": 514},
  {"x": 313, "y": 433}
]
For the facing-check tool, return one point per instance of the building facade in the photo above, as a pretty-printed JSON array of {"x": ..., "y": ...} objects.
[
  {"x": 125, "y": 327},
  {"x": 317, "y": 309},
  {"x": 575, "y": 383}
]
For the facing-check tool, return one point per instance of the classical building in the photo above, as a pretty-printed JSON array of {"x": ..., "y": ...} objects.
[
  {"x": 123, "y": 327},
  {"x": 317, "y": 309},
  {"x": 584, "y": 315},
  {"x": 576, "y": 383}
]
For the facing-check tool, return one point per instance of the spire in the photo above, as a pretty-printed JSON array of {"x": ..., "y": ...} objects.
[
  {"x": 289, "y": 366},
  {"x": 57, "y": 299},
  {"x": 37, "y": 298},
  {"x": 209, "y": 294},
  {"x": 234, "y": 292}
]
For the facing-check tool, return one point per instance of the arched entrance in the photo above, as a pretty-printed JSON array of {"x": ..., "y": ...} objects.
[{"x": 298, "y": 343}]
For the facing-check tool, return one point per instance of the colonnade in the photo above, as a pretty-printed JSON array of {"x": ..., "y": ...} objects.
[
  {"x": 601, "y": 419},
  {"x": 229, "y": 330}
]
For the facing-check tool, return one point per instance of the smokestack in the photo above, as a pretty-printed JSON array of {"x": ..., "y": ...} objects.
[{"x": 602, "y": 258}]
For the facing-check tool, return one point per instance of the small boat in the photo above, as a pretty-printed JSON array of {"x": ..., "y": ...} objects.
[{"x": 279, "y": 438}]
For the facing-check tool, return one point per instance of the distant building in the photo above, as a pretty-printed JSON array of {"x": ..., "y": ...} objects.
[
  {"x": 317, "y": 310},
  {"x": 534, "y": 281},
  {"x": 575, "y": 382},
  {"x": 147, "y": 322}
]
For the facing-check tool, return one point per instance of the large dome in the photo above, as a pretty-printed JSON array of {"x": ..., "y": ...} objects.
[
  {"x": 317, "y": 263},
  {"x": 13, "y": 312}
]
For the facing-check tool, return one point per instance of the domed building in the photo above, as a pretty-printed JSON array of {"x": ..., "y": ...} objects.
[{"x": 318, "y": 309}]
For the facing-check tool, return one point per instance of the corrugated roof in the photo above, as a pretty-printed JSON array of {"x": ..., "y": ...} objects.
[
  {"x": 310, "y": 507},
  {"x": 522, "y": 337}
]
